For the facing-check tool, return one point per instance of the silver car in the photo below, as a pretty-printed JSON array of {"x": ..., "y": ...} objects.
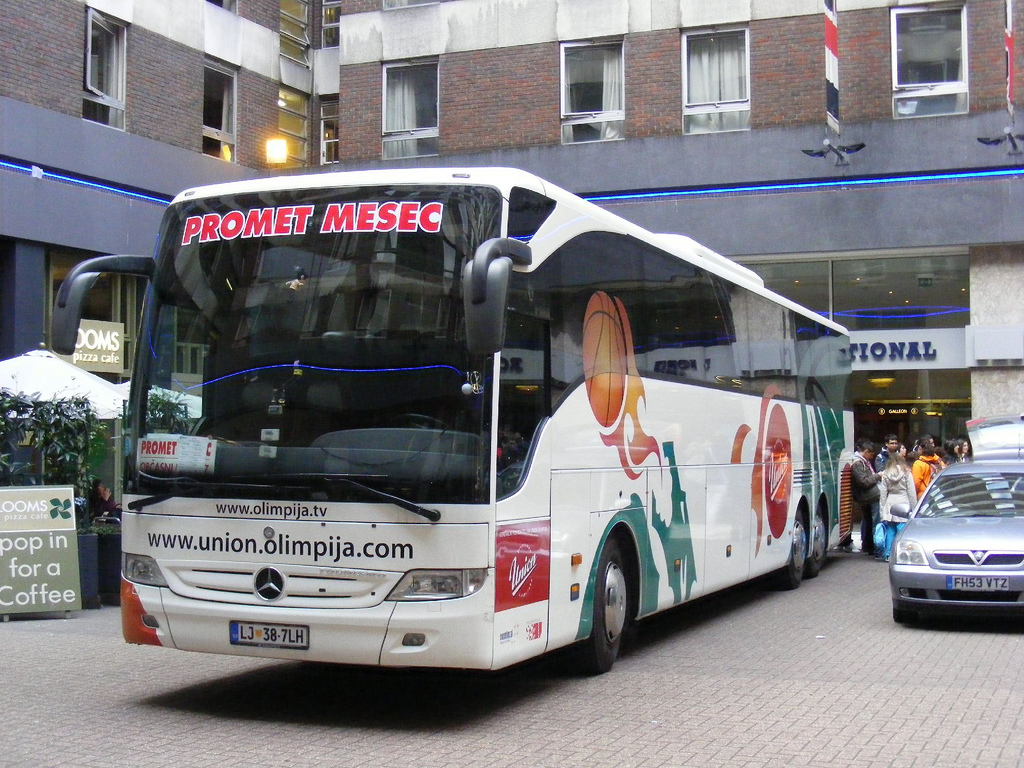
[{"x": 963, "y": 549}]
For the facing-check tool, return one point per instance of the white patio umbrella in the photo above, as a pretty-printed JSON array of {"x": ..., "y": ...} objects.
[{"x": 42, "y": 376}]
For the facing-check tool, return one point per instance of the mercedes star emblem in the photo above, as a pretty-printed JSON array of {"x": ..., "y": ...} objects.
[{"x": 268, "y": 584}]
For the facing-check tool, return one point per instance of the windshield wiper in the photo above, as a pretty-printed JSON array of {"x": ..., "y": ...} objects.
[
  {"x": 430, "y": 514},
  {"x": 189, "y": 487}
]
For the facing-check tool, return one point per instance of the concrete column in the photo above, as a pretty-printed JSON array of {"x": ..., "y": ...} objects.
[{"x": 22, "y": 297}]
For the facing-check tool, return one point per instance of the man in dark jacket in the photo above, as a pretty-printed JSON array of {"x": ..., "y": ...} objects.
[
  {"x": 865, "y": 492},
  {"x": 892, "y": 444}
]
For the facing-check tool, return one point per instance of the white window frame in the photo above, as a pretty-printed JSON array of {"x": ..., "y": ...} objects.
[
  {"x": 326, "y": 26},
  {"x": 325, "y": 106},
  {"x": 390, "y": 5},
  {"x": 114, "y": 101},
  {"x": 227, "y": 138},
  {"x": 570, "y": 118},
  {"x": 705, "y": 108},
  {"x": 916, "y": 91},
  {"x": 394, "y": 136}
]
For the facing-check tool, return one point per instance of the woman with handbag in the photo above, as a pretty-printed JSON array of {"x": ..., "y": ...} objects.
[{"x": 896, "y": 487}]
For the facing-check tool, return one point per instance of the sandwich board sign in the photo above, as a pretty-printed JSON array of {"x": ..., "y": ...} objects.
[{"x": 38, "y": 550}]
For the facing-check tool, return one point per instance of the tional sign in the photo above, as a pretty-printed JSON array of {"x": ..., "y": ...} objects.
[{"x": 38, "y": 550}]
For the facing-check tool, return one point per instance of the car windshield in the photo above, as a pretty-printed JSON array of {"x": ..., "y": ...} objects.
[
  {"x": 295, "y": 336},
  {"x": 981, "y": 493}
]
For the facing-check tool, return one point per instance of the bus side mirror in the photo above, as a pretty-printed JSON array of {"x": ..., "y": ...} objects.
[
  {"x": 485, "y": 282},
  {"x": 67, "y": 308}
]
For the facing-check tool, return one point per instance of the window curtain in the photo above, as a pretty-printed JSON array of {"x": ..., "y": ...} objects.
[
  {"x": 401, "y": 111},
  {"x": 611, "y": 97},
  {"x": 716, "y": 69}
]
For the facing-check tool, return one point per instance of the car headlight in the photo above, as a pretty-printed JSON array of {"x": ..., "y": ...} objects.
[
  {"x": 909, "y": 553},
  {"x": 439, "y": 584},
  {"x": 142, "y": 569}
]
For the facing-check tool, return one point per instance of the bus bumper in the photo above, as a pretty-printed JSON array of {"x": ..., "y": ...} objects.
[{"x": 443, "y": 633}]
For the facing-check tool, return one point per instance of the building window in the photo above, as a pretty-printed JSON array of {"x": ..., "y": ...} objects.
[
  {"x": 716, "y": 90},
  {"x": 329, "y": 132},
  {"x": 104, "y": 71},
  {"x": 219, "y": 112},
  {"x": 331, "y": 23},
  {"x": 389, "y": 4},
  {"x": 295, "y": 30},
  {"x": 410, "y": 110},
  {"x": 227, "y": 5},
  {"x": 929, "y": 62},
  {"x": 292, "y": 120},
  {"x": 593, "y": 100}
]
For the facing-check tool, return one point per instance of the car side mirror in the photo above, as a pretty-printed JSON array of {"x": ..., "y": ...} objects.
[{"x": 900, "y": 510}]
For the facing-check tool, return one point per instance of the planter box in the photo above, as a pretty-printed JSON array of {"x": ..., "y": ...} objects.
[
  {"x": 88, "y": 569},
  {"x": 110, "y": 568}
]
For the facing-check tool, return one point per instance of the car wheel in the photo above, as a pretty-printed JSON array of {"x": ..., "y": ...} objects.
[
  {"x": 819, "y": 545},
  {"x": 613, "y": 611},
  {"x": 902, "y": 615},
  {"x": 792, "y": 573}
]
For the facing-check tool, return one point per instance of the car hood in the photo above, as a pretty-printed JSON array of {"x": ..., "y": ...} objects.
[{"x": 1003, "y": 533}]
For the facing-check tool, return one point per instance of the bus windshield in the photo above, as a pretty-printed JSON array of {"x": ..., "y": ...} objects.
[{"x": 312, "y": 341}]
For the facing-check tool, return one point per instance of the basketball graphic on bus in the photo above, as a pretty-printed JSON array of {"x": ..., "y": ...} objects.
[
  {"x": 604, "y": 358},
  {"x": 614, "y": 386}
]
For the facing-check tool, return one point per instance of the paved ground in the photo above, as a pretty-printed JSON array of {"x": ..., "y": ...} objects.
[{"x": 820, "y": 676}]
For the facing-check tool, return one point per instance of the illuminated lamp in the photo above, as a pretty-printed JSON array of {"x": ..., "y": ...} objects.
[{"x": 277, "y": 151}]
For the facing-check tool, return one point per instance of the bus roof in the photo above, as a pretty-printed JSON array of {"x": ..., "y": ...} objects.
[{"x": 504, "y": 179}]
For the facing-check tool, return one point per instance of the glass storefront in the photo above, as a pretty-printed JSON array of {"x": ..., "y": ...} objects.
[{"x": 905, "y": 315}]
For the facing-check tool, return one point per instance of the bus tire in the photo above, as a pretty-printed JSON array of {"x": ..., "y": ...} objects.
[
  {"x": 792, "y": 573},
  {"x": 819, "y": 545},
  {"x": 613, "y": 611}
]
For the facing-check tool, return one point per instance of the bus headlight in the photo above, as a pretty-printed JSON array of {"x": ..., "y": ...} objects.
[
  {"x": 439, "y": 584},
  {"x": 909, "y": 553},
  {"x": 142, "y": 569}
]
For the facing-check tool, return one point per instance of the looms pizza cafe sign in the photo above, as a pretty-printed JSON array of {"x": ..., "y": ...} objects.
[
  {"x": 284, "y": 220},
  {"x": 99, "y": 347}
]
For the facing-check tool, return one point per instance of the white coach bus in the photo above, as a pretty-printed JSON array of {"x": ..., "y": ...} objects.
[{"x": 457, "y": 418}]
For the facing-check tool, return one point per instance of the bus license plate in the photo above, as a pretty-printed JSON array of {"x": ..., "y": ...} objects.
[
  {"x": 294, "y": 636},
  {"x": 978, "y": 583}
]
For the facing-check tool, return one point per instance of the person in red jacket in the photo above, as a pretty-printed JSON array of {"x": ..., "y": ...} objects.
[{"x": 928, "y": 464}]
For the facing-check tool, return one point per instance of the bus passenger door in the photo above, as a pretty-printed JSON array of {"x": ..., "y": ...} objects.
[{"x": 729, "y": 520}]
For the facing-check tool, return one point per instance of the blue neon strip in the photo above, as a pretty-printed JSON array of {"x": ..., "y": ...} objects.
[
  {"x": 85, "y": 183},
  {"x": 805, "y": 185},
  {"x": 874, "y": 313},
  {"x": 332, "y": 370}
]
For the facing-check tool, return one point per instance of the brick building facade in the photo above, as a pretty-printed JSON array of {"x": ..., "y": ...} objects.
[{"x": 683, "y": 116}]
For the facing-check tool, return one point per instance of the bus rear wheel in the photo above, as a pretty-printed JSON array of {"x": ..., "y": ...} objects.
[{"x": 613, "y": 611}]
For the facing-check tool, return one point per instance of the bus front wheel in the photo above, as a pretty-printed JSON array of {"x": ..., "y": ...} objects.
[
  {"x": 819, "y": 545},
  {"x": 612, "y": 611},
  {"x": 792, "y": 573}
]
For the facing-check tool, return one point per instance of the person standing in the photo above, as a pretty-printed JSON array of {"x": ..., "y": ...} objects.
[
  {"x": 865, "y": 492},
  {"x": 892, "y": 444},
  {"x": 896, "y": 486},
  {"x": 927, "y": 466}
]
